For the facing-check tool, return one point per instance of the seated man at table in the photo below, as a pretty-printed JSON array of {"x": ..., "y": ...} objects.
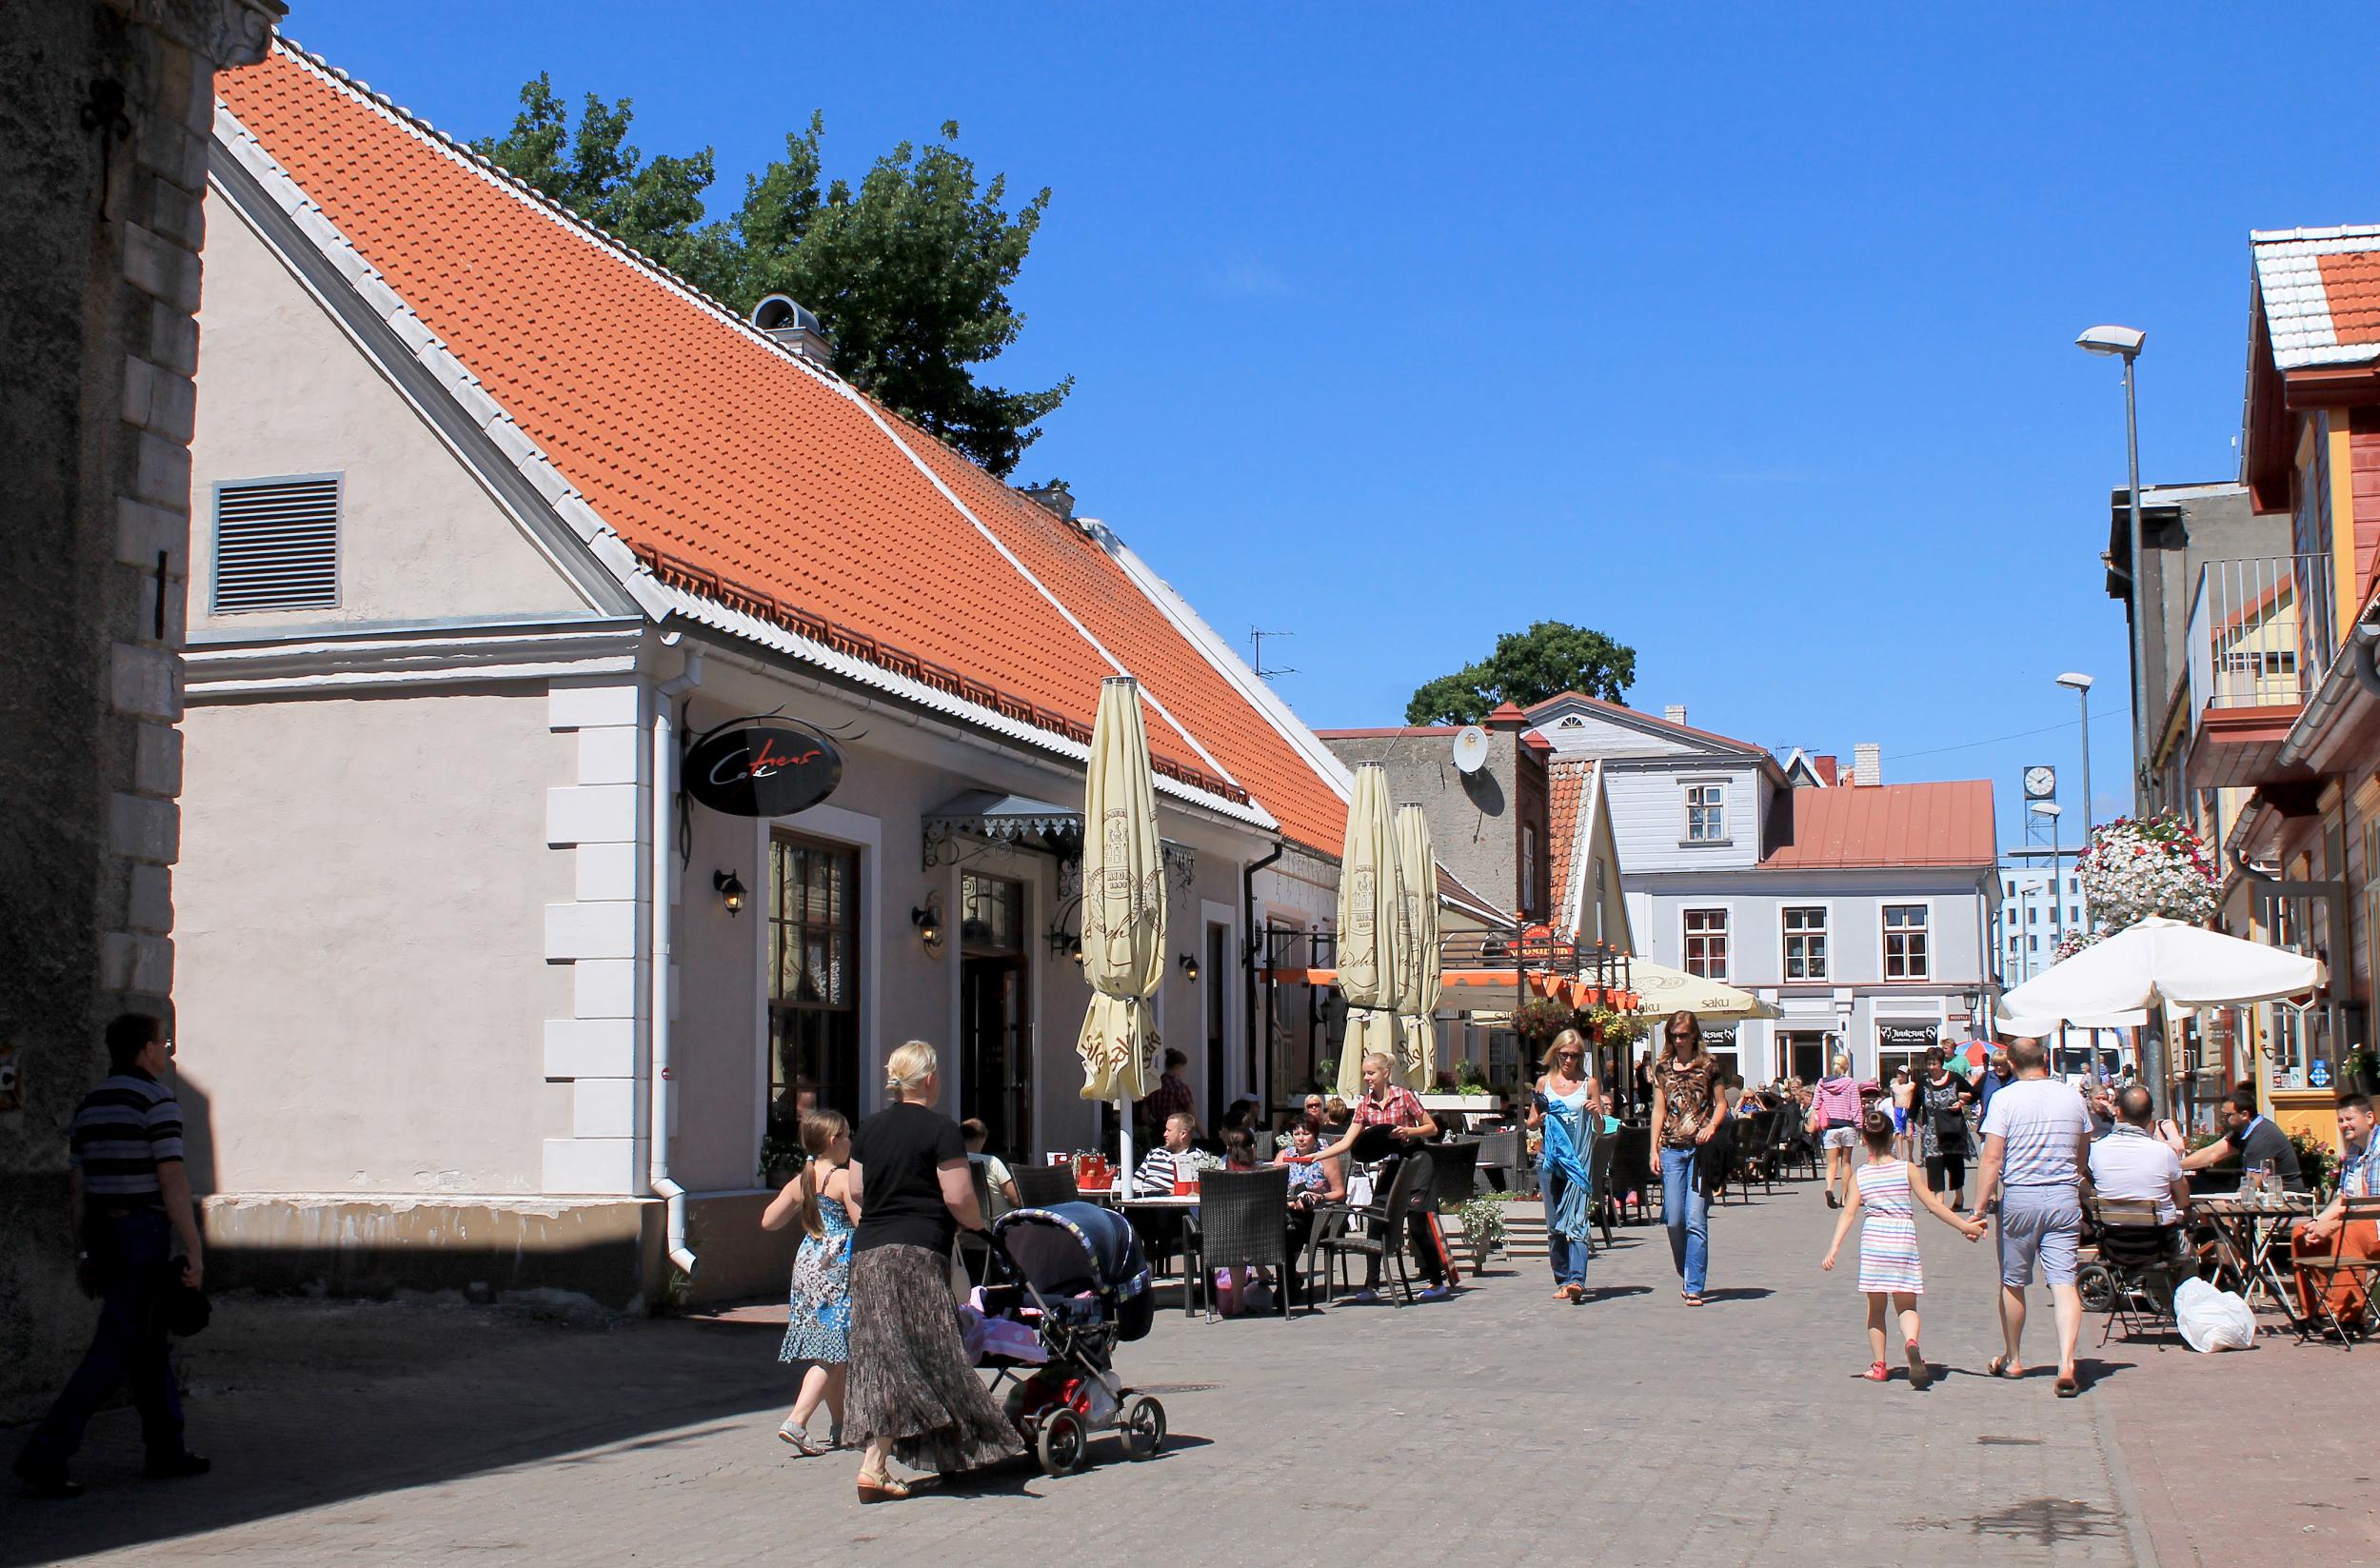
[
  {"x": 2131, "y": 1162},
  {"x": 1388, "y": 1122},
  {"x": 2327, "y": 1234},
  {"x": 2250, "y": 1141},
  {"x": 1169, "y": 1161}
]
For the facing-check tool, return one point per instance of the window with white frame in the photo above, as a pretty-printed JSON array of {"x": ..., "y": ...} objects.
[
  {"x": 1706, "y": 943},
  {"x": 1706, "y": 813},
  {"x": 1530, "y": 903},
  {"x": 1805, "y": 942},
  {"x": 1906, "y": 956}
]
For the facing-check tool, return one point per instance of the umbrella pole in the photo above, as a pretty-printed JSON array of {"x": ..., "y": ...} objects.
[{"x": 1123, "y": 1127}]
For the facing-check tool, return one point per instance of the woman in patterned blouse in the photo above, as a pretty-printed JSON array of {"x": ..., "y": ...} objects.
[{"x": 1687, "y": 1109}]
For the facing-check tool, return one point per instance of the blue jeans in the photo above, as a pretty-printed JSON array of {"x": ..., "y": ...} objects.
[
  {"x": 1687, "y": 1213},
  {"x": 1570, "y": 1258},
  {"x": 128, "y": 1253}
]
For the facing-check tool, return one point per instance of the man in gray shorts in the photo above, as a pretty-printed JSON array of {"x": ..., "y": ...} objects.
[{"x": 2036, "y": 1141}]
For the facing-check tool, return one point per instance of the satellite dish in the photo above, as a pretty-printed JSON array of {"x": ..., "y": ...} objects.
[{"x": 1471, "y": 748}]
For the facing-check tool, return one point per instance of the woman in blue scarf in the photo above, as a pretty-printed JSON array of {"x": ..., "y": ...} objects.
[{"x": 1567, "y": 1106}]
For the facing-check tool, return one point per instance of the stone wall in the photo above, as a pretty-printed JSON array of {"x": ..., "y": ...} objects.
[{"x": 103, "y": 163}]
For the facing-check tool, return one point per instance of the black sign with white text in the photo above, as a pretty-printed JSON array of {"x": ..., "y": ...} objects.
[{"x": 761, "y": 767}]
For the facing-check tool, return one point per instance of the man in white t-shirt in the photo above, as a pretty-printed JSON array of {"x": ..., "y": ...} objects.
[
  {"x": 2035, "y": 1140},
  {"x": 2131, "y": 1162}
]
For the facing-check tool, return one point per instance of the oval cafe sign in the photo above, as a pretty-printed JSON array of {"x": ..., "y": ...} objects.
[{"x": 761, "y": 767}]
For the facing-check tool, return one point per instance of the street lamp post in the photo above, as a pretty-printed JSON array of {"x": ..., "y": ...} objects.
[
  {"x": 2057, "y": 893},
  {"x": 2126, "y": 340},
  {"x": 2080, "y": 684}
]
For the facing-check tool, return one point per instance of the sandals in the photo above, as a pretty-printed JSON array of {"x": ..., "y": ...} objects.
[
  {"x": 2068, "y": 1385},
  {"x": 2003, "y": 1366},
  {"x": 881, "y": 1487},
  {"x": 1689, "y": 1297},
  {"x": 800, "y": 1439},
  {"x": 1919, "y": 1374},
  {"x": 1876, "y": 1372}
]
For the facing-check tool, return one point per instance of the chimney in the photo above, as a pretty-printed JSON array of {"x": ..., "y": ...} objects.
[
  {"x": 795, "y": 326},
  {"x": 1867, "y": 764},
  {"x": 1825, "y": 767},
  {"x": 1675, "y": 713},
  {"x": 1053, "y": 497}
]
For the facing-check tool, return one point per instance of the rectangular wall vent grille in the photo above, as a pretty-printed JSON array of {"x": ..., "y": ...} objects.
[{"x": 276, "y": 544}]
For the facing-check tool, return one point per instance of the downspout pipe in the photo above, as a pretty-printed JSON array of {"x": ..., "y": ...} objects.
[
  {"x": 1256, "y": 947},
  {"x": 664, "y": 796}
]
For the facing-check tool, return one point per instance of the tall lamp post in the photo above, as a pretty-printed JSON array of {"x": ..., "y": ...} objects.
[{"x": 2126, "y": 340}]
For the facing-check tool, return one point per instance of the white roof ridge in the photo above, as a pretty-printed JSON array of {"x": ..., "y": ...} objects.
[{"x": 2333, "y": 231}]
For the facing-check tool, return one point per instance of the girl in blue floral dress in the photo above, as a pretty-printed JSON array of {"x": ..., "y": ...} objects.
[{"x": 818, "y": 1328}]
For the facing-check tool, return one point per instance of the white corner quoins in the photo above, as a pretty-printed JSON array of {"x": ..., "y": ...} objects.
[{"x": 602, "y": 821}]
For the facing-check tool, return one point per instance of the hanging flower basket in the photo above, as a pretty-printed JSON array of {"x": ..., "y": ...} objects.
[
  {"x": 2133, "y": 868},
  {"x": 1541, "y": 1019}
]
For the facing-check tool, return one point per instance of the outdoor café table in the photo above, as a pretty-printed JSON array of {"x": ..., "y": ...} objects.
[{"x": 2248, "y": 1234}]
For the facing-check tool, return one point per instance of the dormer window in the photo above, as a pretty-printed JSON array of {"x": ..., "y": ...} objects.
[{"x": 1706, "y": 813}]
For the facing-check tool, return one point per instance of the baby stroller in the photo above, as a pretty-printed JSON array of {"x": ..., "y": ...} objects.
[{"x": 1073, "y": 1273}]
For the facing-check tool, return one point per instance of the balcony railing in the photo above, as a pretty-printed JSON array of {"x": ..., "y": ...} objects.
[{"x": 2260, "y": 632}]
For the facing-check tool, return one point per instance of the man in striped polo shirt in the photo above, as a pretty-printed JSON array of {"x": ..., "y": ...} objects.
[{"x": 130, "y": 1201}]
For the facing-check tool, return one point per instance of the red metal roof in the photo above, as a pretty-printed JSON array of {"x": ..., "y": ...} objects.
[
  {"x": 1882, "y": 825},
  {"x": 1566, "y": 791},
  {"x": 733, "y": 469}
]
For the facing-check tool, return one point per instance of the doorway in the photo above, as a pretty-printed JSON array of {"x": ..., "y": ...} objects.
[
  {"x": 1805, "y": 1054},
  {"x": 995, "y": 1014}
]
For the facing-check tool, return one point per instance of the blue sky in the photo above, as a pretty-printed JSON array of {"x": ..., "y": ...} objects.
[{"x": 1741, "y": 333}]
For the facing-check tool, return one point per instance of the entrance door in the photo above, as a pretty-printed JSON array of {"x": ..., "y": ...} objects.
[
  {"x": 995, "y": 1014},
  {"x": 1805, "y": 1054},
  {"x": 1218, "y": 1023}
]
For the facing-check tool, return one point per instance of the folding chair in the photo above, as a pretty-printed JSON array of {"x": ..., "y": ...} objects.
[
  {"x": 2138, "y": 1267},
  {"x": 2329, "y": 1280}
]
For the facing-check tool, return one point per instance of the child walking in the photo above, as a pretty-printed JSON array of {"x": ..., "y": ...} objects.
[
  {"x": 817, "y": 1327},
  {"x": 1888, "y": 1190}
]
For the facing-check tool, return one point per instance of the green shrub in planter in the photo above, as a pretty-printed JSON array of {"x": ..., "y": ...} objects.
[{"x": 1482, "y": 1226}]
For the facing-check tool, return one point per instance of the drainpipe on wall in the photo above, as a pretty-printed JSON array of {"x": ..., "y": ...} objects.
[
  {"x": 1256, "y": 947},
  {"x": 665, "y": 765}
]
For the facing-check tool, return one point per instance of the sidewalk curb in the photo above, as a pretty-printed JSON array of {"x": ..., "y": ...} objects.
[{"x": 2120, "y": 1486}]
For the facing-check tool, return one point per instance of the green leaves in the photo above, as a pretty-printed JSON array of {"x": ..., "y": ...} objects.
[
  {"x": 909, "y": 272},
  {"x": 1527, "y": 668}
]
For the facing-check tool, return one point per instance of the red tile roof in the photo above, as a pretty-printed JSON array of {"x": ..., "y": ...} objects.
[
  {"x": 740, "y": 472},
  {"x": 1566, "y": 791},
  {"x": 1881, "y": 826}
]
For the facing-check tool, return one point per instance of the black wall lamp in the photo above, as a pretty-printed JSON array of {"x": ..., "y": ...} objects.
[
  {"x": 730, "y": 890},
  {"x": 1189, "y": 965},
  {"x": 928, "y": 919}
]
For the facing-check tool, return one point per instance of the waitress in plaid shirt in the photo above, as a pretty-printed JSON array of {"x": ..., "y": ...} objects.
[{"x": 1389, "y": 1120}]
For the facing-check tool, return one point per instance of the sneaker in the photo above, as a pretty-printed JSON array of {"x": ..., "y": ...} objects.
[
  {"x": 1439, "y": 1293},
  {"x": 45, "y": 1480},
  {"x": 1366, "y": 1297},
  {"x": 175, "y": 1466}
]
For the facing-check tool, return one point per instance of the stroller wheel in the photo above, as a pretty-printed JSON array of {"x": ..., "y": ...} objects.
[
  {"x": 2096, "y": 1285},
  {"x": 1143, "y": 1424},
  {"x": 1062, "y": 1443}
]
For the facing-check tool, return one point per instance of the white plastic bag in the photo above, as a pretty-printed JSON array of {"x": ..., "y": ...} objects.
[{"x": 2213, "y": 1320}]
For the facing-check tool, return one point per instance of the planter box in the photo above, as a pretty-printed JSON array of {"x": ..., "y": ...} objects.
[{"x": 1470, "y": 1104}]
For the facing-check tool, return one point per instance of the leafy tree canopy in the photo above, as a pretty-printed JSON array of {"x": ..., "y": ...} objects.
[
  {"x": 1527, "y": 668},
  {"x": 909, "y": 272}
]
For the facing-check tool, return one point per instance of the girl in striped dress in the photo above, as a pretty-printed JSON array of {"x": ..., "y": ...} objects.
[{"x": 1888, "y": 1191}]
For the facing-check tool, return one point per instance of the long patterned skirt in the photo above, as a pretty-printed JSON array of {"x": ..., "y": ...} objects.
[{"x": 910, "y": 1381}]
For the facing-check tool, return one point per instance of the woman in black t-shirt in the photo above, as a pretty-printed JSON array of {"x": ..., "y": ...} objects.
[{"x": 912, "y": 1394}]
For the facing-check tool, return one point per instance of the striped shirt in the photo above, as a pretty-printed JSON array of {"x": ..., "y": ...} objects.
[
  {"x": 1159, "y": 1171},
  {"x": 121, "y": 1131},
  {"x": 2044, "y": 1122}
]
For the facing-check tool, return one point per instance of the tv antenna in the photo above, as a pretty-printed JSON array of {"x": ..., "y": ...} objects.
[{"x": 1256, "y": 640}]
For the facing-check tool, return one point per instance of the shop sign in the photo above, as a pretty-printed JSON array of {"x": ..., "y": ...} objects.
[
  {"x": 1904, "y": 1037},
  {"x": 761, "y": 767},
  {"x": 1719, "y": 1038}
]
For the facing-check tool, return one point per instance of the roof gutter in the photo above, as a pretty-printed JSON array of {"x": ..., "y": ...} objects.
[
  {"x": 665, "y": 763},
  {"x": 1255, "y": 950},
  {"x": 2352, "y": 673}
]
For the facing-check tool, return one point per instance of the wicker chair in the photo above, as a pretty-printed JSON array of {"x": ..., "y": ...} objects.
[
  {"x": 1354, "y": 1228},
  {"x": 1038, "y": 1186},
  {"x": 975, "y": 1247},
  {"x": 1500, "y": 1161},
  {"x": 1243, "y": 1223}
]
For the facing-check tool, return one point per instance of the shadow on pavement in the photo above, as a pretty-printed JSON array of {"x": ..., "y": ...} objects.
[{"x": 304, "y": 1403}]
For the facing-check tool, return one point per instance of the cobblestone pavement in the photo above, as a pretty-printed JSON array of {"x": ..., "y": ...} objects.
[{"x": 1634, "y": 1430}]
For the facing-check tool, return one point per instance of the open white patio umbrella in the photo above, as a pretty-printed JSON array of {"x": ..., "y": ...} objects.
[
  {"x": 1661, "y": 991},
  {"x": 2155, "y": 963},
  {"x": 1367, "y": 929},
  {"x": 1123, "y": 907},
  {"x": 1418, "y": 982}
]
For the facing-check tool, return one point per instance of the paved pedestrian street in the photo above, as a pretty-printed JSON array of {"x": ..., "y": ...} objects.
[{"x": 1632, "y": 1430}]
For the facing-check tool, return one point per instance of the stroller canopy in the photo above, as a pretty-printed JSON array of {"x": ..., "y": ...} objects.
[{"x": 1068, "y": 1248}]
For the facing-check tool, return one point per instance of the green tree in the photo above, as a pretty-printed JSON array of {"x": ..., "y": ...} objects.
[
  {"x": 909, "y": 272},
  {"x": 1550, "y": 658}
]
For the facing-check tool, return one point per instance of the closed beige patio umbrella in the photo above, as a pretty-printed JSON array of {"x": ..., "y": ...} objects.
[
  {"x": 1367, "y": 929},
  {"x": 1418, "y": 982},
  {"x": 1124, "y": 905}
]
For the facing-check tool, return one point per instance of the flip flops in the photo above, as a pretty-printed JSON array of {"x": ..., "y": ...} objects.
[
  {"x": 2068, "y": 1386},
  {"x": 2000, "y": 1366}
]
